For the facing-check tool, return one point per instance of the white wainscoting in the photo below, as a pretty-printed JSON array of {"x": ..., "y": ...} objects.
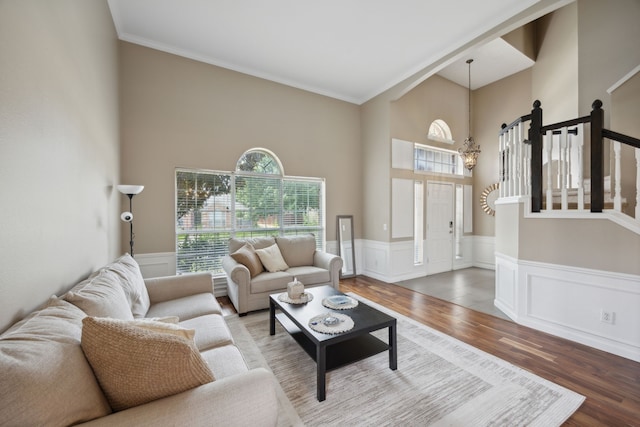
[
  {"x": 393, "y": 261},
  {"x": 484, "y": 252},
  {"x": 157, "y": 264},
  {"x": 567, "y": 302}
]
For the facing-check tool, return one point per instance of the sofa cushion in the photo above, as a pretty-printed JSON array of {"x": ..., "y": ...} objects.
[
  {"x": 186, "y": 307},
  {"x": 46, "y": 379},
  {"x": 297, "y": 250},
  {"x": 135, "y": 365},
  {"x": 310, "y": 275},
  {"x": 272, "y": 258},
  {"x": 101, "y": 295},
  {"x": 163, "y": 325},
  {"x": 270, "y": 282},
  {"x": 247, "y": 256},
  {"x": 256, "y": 242},
  {"x": 132, "y": 282},
  {"x": 225, "y": 361},
  {"x": 211, "y": 331}
]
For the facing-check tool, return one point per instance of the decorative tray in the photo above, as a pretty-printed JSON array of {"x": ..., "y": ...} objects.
[
  {"x": 340, "y": 302},
  {"x": 331, "y": 323},
  {"x": 305, "y": 298}
]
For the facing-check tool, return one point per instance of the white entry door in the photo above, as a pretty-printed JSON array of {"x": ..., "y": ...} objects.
[{"x": 439, "y": 227}]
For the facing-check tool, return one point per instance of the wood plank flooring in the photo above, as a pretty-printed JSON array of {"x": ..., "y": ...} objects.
[{"x": 610, "y": 383}]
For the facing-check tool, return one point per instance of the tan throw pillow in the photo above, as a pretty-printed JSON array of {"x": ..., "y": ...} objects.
[
  {"x": 272, "y": 259},
  {"x": 135, "y": 365},
  {"x": 101, "y": 296},
  {"x": 247, "y": 256}
]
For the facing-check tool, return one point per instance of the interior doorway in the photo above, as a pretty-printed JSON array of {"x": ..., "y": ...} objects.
[{"x": 440, "y": 227}]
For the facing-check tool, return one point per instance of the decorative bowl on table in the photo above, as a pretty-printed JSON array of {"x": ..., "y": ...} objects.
[{"x": 340, "y": 302}]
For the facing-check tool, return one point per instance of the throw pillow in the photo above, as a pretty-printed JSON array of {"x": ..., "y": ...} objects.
[
  {"x": 46, "y": 379},
  {"x": 297, "y": 251},
  {"x": 101, "y": 296},
  {"x": 133, "y": 284},
  {"x": 272, "y": 259},
  {"x": 135, "y": 365},
  {"x": 247, "y": 256}
]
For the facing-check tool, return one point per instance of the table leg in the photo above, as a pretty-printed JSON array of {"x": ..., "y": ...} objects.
[
  {"x": 393, "y": 348},
  {"x": 272, "y": 318},
  {"x": 321, "y": 362}
]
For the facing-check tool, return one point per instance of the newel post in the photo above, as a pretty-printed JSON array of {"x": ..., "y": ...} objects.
[
  {"x": 597, "y": 158},
  {"x": 535, "y": 138}
]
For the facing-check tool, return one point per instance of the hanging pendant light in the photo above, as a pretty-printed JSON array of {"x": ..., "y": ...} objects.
[{"x": 470, "y": 152}]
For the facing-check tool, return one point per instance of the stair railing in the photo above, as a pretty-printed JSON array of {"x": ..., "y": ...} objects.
[{"x": 523, "y": 168}]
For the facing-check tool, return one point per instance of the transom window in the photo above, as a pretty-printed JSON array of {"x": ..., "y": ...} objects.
[
  {"x": 255, "y": 200},
  {"x": 437, "y": 160}
]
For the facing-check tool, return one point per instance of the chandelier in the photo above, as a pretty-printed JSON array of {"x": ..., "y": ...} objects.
[{"x": 470, "y": 152}]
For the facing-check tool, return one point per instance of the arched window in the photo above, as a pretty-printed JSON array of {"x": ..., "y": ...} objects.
[
  {"x": 256, "y": 199},
  {"x": 439, "y": 131},
  {"x": 259, "y": 160}
]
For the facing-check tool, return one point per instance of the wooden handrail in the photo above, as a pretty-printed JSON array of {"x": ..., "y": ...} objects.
[{"x": 625, "y": 139}]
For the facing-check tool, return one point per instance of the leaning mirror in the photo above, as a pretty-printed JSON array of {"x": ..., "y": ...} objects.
[{"x": 346, "y": 247}]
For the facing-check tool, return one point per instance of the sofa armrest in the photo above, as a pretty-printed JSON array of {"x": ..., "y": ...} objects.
[
  {"x": 330, "y": 262},
  {"x": 247, "y": 399},
  {"x": 238, "y": 283},
  {"x": 235, "y": 271},
  {"x": 172, "y": 287}
]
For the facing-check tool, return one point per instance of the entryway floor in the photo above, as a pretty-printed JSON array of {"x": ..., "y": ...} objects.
[{"x": 473, "y": 288}]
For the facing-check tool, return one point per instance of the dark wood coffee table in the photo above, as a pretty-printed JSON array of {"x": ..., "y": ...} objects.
[{"x": 335, "y": 350}]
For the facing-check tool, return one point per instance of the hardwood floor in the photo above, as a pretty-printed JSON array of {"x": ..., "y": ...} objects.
[{"x": 610, "y": 383}]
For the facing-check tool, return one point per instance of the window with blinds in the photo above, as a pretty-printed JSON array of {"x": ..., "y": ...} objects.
[{"x": 213, "y": 206}]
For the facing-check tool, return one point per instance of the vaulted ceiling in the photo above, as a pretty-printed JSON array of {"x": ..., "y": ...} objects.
[{"x": 351, "y": 50}]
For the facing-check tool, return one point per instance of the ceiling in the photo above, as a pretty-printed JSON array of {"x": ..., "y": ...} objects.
[{"x": 351, "y": 50}]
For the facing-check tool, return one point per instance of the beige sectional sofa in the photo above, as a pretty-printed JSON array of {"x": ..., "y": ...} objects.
[
  {"x": 120, "y": 350},
  {"x": 257, "y": 267}
]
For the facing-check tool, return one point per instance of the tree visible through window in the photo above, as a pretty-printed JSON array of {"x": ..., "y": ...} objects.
[{"x": 255, "y": 200}]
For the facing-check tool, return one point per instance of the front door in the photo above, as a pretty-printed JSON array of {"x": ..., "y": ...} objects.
[{"x": 439, "y": 227}]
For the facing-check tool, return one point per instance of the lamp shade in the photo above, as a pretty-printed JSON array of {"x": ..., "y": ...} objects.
[{"x": 130, "y": 189}]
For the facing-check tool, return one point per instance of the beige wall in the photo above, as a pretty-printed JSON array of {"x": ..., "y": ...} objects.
[
  {"x": 593, "y": 244},
  {"x": 608, "y": 35},
  {"x": 376, "y": 157},
  {"x": 499, "y": 103},
  {"x": 555, "y": 73},
  {"x": 625, "y": 110},
  {"x": 176, "y": 112},
  {"x": 59, "y": 148}
]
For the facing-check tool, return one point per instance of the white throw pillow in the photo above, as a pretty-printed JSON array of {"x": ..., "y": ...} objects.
[{"x": 272, "y": 259}]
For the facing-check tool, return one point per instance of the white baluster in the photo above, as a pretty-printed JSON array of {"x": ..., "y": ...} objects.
[
  {"x": 580, "y": 174},
  {"x": 519, "y": 160},
  {"x": 509, "y": 165},
  {"x": 564, "y": 160},
  {"x": 617, "y": 198},
  {"x": 549, "y": 147},
  {"x": 637, "y": 184},
  {"x": 527, "y": 169},
  {"x": 501, "y": 154}
]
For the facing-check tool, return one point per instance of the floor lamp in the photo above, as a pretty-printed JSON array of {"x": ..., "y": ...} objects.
[{"x": 130, "y": 191}]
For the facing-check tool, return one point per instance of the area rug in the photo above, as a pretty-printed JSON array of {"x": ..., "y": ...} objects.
[{"x": 440, "y": 381}]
